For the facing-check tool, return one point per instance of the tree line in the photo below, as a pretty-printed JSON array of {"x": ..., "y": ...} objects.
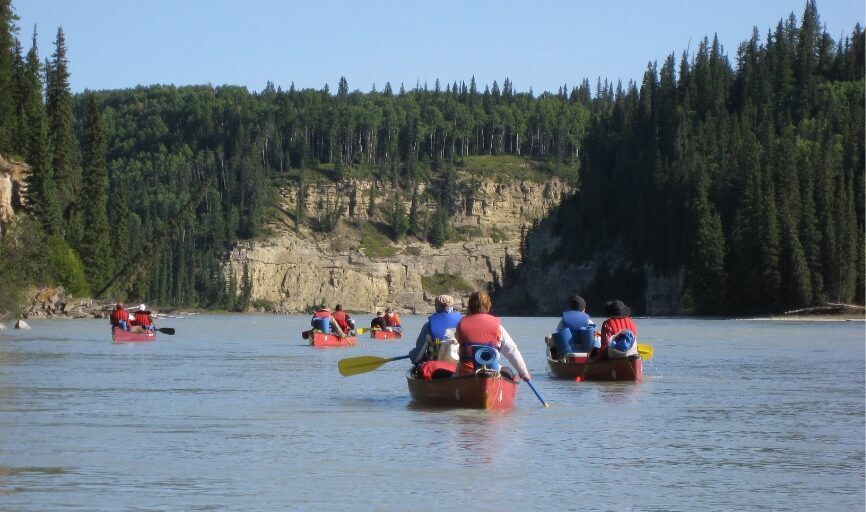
[{"x": 750, "y": 178}]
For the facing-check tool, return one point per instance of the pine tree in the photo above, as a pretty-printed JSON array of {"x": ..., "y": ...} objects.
[
  {"x": 119, "y": 217},
  {"x": 61, "y": 138},
  {"x": 707, "y": 276},
  {"x": 41, "y": 190},
  {"x": 8, "y": 120},
  {"x": 95, "y": 248},
  {"x": 246, "y": 289}
]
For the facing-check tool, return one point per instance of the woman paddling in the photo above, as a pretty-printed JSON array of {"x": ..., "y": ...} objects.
[{"x": 480, "y": 329}]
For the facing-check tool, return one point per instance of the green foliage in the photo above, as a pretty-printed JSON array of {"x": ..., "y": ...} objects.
[
  {"x": 397, "y": 219},
  {"x": 376, "y": 245},
  {"x": 498, "y": 235},
  {"x": 750, "y": 179},
  {"x": 444, "y": 282},
  {"x": 95, "y": 247},
  {"x": 66, "y": 267},
  {"x": 263, "y": 305}
]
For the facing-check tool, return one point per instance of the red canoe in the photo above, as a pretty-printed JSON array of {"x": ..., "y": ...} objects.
[
  {"x": 480, "y": 391},
  {"x": 320, "y": 339},
  {"x": 582, "y": 368},
  {"x": 378, "y": 334},
  {"x": 118, "y": 335}
]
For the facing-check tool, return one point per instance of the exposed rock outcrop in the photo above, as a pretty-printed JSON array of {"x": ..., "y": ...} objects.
[
  {"x": 295, "y": 271},
  {"x": 13, "y": 187}
]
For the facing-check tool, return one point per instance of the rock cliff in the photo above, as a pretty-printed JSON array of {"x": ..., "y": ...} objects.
[
  {"x": 13, "y": 185},
  {"x": 296, "y": 270}
]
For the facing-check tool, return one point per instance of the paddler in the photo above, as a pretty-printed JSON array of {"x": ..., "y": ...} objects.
[
  {"x": 481, "y": 329},
  {"x": 436, "y": 339}
]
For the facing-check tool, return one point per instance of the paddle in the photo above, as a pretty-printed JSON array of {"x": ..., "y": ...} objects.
[
  {"x": 536, "y": 393},
  {"x": 645, "y": 351},
  {"x": 166, "y": 330},
  {"x": 363, "y": 364},
  {"x": 361, "y": 330}
]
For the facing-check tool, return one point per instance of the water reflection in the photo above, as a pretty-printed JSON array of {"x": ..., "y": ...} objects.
[
  {"x": 480, "y": 436},
  {"x": 619, "y": 392}
]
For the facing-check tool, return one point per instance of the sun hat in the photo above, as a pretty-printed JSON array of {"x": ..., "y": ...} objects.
[{"x": 142, "y": 307}]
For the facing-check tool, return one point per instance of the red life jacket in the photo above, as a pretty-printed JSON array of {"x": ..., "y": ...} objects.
[
  {"x": 340, "y": 317},
  {"x": 392, "y": 319},
  {"x": 477, "y": 329},
  {"x": 118, "y": 315},
  {"x": 612, "y": 326},
  {"x": 142, "y": 318}
]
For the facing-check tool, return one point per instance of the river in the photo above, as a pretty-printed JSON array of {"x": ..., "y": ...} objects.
[{"x": 235, "y": 412}]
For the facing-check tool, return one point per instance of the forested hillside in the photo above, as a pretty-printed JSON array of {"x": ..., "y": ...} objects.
[
  {"x": 750, "y": 176},
  {"x": 170, "y": 177}
]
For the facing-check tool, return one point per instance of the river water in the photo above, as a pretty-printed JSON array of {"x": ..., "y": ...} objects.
[{"x": 234, "y": 412}]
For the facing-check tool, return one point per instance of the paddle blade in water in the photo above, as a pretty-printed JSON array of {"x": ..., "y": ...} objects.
[
  {"x": 645, "y": 351},
  {"x": 166, "y": 330}
]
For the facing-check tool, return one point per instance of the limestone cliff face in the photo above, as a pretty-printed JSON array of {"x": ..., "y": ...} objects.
[
  {"x": 13, "y": 185},
  {"x": 296, "y": 270}
]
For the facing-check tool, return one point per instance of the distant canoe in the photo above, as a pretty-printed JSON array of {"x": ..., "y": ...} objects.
[
  {"x": 320, "y": 339},
  {"x": 481, "y": 391},
  {"x": 378, "y": 334},
  {"x": 582, "y": 368},
  {"x": 118, "y": 335}
]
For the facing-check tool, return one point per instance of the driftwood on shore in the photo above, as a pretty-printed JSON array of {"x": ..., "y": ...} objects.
[{"x": 830, "y": 308}]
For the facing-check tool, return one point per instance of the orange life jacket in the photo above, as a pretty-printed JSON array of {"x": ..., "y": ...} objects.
[
  {"x": 142, "y": 318},
  {"x": 117, "y": 315},
  {"x": 341, "y": 318},
  {"x": 476, "y": 329},
  {"x": 612, "y": 326},
  {"x": 392, "y": 319}
]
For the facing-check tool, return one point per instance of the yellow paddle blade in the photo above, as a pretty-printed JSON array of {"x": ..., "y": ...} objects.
[
  {"x": 360, "y": 364},
  {"x": 645, "y": 351},
  {"x": 361, "y": 330}
]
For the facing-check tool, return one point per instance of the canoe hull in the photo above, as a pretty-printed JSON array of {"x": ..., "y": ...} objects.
[
  {"x": 377, "y": 334},
  {"x": 320, "y": 339},
  {"x": 471, "y": 392},
  {"x": 118, "y": 335},
  {"x": 624, "y": 369}
]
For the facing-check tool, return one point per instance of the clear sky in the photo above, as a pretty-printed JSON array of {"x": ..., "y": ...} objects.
[{"x": 541, "y": 44}]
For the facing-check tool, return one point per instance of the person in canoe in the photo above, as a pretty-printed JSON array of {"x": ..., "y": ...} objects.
[
  {"x": 347, "y": 325},
  {"x": 574, "y": 318},
  {"x": 482, "y": 328},
  {"x": 435, "y": 341},
  {"x": 392, "y": 321},
  {"x": 143, "y": 318},
  {"x": 120, "y": 317},
  {"x": 378, "y": 323},
  {"x": 323, "y": 321},
  {"x": 618, "y": 332}
]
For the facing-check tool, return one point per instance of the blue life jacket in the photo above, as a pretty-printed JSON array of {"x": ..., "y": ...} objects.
[
  {"x": 439, "y": 322},
  {"x": 574, "y": 320},
  {"x": 322, "y": 324}
]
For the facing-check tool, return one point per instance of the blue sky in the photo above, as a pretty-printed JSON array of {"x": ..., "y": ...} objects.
[{"x": 541, "y": 44}]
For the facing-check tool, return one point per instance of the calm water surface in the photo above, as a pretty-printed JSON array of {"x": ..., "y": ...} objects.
[{"x": 235, "y": 413}]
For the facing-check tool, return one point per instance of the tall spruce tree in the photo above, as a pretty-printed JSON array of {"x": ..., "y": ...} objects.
[
  {"x": 8, "y": 120},
  {"x": 41, "y": 190},
  {"x": 61, "y": 138},
  {"x": 95, "y": 248},
  {"x": 119, "y": 218}
]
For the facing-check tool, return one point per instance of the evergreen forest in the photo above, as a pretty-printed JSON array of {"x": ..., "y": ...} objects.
[{"x": 744, "y": 172}]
